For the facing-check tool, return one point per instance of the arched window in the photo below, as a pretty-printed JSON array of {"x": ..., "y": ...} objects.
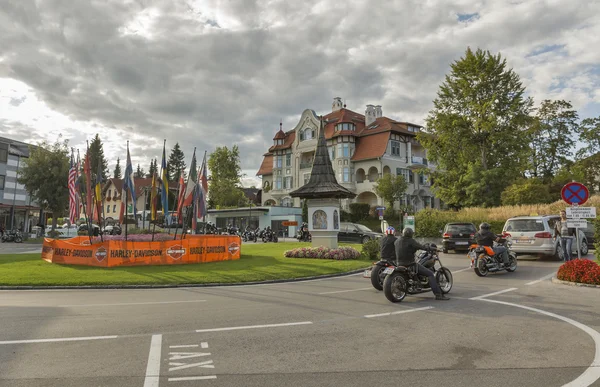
[
  {"x": 287, "y": 202},
  {"x": 307, "y": 134}
]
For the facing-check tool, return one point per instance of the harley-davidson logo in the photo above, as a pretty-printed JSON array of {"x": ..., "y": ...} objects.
[
  {"x": 86, "y": 242},
  {"x": 233, "y": 248},
  {"x": 100, "y": 254},
  {"x": 176, "y": 251}
]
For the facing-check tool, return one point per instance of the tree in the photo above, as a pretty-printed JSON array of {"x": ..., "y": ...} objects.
[
  {"x": 225, "y": 178},
  {"x": 552, "y": 138},
  {"x": 305, "y": 211},
  {"x": 390, "y": 188},
  {"x": 176, "y": 164},
  {"x": 476, "y": 132},
  {"x": 589, "y": 135},
  {"x": 117, "y": 174},
  {"x": 153, "y": 168},
  {"x": 97, "y": 155},
  {"x": 45, "y": 176},
  {"x": 139, "y": 173},
  {"x": 527, "y": 191}
]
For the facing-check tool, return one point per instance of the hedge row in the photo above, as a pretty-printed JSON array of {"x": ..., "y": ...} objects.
[{"x": 429, "y": 222}]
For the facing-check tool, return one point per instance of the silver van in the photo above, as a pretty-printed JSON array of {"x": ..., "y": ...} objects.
[{"x": 535, "y": 235}]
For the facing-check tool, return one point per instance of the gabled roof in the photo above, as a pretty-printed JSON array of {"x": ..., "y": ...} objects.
[
  {"x": 140, "y": 183},
  {"x": 289, "y": 138},
  {"x": 370, "y": 147},
  {"x": 385, "y": 124},
  {"x": 341, "y": 116},
  {"x": 266, "y": 168}
]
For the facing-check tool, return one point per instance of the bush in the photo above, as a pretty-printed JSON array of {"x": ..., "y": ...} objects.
[
  {"x": 359, "y": 211},
  {"x": 580, "y": 270},
  {"x": 429, "y": 222},
  {"x": 371, "y": 251},
  {"x": 341, "y": 253},
  {"x": 345, "y": 216},
  {"x": 597, "y": 237}
]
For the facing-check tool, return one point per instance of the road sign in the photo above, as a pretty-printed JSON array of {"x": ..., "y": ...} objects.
[
  {"x": 289, "y": 223},
  {"x": 581, "y": 212},
  {"x": 575, "y": 193},
  {"x": 381, "y": 208},
  {"x": 576, "y": 223}
]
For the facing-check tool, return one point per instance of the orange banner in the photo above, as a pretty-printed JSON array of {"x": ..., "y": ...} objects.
[{"x": 192, "y": 249}]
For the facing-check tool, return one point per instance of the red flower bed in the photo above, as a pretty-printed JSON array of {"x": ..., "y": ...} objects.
[{"x": 580, "y": 270}]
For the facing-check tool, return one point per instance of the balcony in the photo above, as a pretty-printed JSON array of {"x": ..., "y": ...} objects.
[
  {"x": 418, "y": 161},
  {"x": 306, "y": 165}
]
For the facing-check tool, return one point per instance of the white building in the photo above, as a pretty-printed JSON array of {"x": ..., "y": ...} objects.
[{"x": 362, "y": 148}]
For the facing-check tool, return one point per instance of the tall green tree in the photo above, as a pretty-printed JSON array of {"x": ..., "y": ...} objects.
[
  {"x": 589, "y": 135},
  {"x": 153, "y": 168},
  {"x": 390, "y": 188},
  {"x": 552, "y": 132},
  {"x": 45, "y": 176},
  {"x": 527, "y": 191},
  {"x": 176, "y": 164},
  {"x": 139, "y": 173},
  {"x": 117, "y": 173},
  {"x": 96, "y": 156},
  {"x": 477, "y": 131},
  {"x": 225, "y": 178}
]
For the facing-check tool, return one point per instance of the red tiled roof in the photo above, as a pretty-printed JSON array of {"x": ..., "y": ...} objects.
[
  {"x": 340, "y": 116},
  {"x": 385, "y": 124},
  {"x": 266, "y": 168},
  {"x": 279, "y": 135},
  {"x": 370, "y": 147},
  {"x": 140, "y": 183},
  {"x": 287, "y": 143}
]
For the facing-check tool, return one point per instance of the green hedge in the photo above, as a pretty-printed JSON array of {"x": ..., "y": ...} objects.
[
  {"x": 429, "y": 222},
  {"x": 597, "y": 237},
  {"x": 359, "y": 211}
]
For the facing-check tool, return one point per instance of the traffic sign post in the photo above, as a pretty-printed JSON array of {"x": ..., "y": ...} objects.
[
  {"x": 577, "y": 194},
  {"x": 380, "y": 212}
]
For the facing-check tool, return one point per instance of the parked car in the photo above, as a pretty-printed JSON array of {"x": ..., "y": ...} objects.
[
  {"x": 356, "y": 233},
  {"x": 112, "y": 229},
  {"x": 458, "y": 236},
  {"x": 589, "y": 232},
  {"x": 535, "y": 235},
  {"x": 84, "y": 228}
]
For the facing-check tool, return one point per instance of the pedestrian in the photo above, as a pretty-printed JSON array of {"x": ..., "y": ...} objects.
[{"x": 565, "y": 235}]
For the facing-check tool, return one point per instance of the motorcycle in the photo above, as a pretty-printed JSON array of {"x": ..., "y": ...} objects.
[
  {"x": 249, "y": 235},
  {"x": 269, "y": 236},
  {"x": 376, "y": 273},
  {"x": 402, "y": 280},
  {"x": 12, "y": 236},
  {"x": 303, "y": 235},
  {"x": 484, "y": 260}
]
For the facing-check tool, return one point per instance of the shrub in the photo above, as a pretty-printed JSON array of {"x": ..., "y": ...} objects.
[
  {"x": 341, "y": 253},
  {"x": 597, "y": 237},
  {"x": 345, "y": 216},
  {"x": 359, "y": 211},
  {"x": 370, "y": 250},
  {"x": 429, "y": 222},
  {"x": 580, "y": 270}
]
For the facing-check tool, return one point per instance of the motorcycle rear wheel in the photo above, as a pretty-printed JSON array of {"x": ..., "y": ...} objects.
[
  {"x": 394, "y": 287},
  {"x": 512, "y": 259},
  {"x": 481, "y": 269},
  {"x": 376, "y": 277},
  {"x": 444, "y": 279}
]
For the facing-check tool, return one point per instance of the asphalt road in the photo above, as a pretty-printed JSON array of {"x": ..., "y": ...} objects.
[{"x": 509, "y": 329}]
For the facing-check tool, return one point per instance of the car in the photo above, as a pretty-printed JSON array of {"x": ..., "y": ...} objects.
[
  {"x": 356, "y": 233},
  {"x": 112, "y": 229},
  {"x": 535, "y": 235},
  {"x": 84, "y": 228},
  {"x": 589, "y": 232},
  {"x": 458, "y": 236}
]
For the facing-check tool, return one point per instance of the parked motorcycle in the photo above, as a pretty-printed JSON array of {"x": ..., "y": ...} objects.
[
  {"x": 12, "y": 236},
  {"x": 303, "y": 235},
  {"x": 402, "y": 280},
  {"x": 484, "y": 260},
  {"x": 249, "y": 235},
  {"x": 269, "y": 236}
]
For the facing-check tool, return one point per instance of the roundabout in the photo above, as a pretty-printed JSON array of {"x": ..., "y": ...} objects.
[{"x": 509, "y": 329}]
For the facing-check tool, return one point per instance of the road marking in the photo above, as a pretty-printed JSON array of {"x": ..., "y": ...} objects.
[
  {"x": 183, "y": 378},
  {"x": 398, "y": 312},
  {"x": 254, "y": 327},
  {"x": 153, "y": 368},
  {"x": 346, "y": 291},
  {"x": 592, "y": 373},
  {"x": 184, "y": 346},
  {"x": 132, "y": 303},
  {"x": 541, "y": 279},
  {"x": 465, "y": 269},
  {"x": 204, "y": 344},
  {"x": 58, "y": 340},
  {"x": 492, "y": 294}
]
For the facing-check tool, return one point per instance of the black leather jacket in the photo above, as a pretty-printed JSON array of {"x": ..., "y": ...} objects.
[
  {"x": 406, "y": 249},
  {"x": 485, "y": 238},
  {"x": 387, "y": 249}
]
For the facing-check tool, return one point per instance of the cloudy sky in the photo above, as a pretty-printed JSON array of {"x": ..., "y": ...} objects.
[{"x": 209, "y": 73}]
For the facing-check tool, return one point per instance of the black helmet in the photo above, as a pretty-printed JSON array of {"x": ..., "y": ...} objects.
[
  {"x": 408, "y": 232},
  {"x": 484, "y": 226}
]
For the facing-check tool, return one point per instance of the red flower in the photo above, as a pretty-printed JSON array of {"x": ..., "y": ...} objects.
[{"x": 580, "y": 270}]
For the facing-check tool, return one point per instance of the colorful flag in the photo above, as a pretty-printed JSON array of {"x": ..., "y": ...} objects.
[
  {"x": 180, "y": 196},
  {"x": 202, "y": 189},
  {"x": 87, "y": 171},
  {"x": 191, "y": 182},
  {"x": 98, "y": 189},
  {"x": 73, "y": 204},
  {"x": 164, "y": 187},
  {"x": 129, "y": 183}
]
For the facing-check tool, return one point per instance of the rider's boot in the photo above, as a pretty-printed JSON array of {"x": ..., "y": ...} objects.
[{"x": 441, "y": 297}]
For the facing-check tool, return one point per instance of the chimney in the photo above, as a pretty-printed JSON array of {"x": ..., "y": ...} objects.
[
  {"x": 378, "y": 112},
  {"x": 370, "y": 115},
  {"x": 337, "y": 104}
]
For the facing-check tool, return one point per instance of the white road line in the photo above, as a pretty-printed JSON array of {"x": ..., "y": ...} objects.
[
  {"x": 398, "y": 312},
  {"x": 541, "y": 279},
  {"x": 492, "y": 294},
  {"x": 253, "y": 327},
  {"x": 153, "y": 367},
  {"x": 132, "y": 303},
  {"x": 58, "y": 340},
  {"x": 465, "y": 269},
  {"x": 183, "y": 378},
  {"x": 184, "y": 346},
  {"x": 592, "y": 373},
  {"x": 346, "y": 291},
  {"x": 204, "y": 344}
]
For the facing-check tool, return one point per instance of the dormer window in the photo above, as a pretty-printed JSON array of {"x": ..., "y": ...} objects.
[
  {"x": 345, "y": 126},
  {"x": 279, "y": 142}
]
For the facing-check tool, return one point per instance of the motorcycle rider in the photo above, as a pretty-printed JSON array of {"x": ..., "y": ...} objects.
[
  {"x": 386, "y": 245},
  {"x": 406, "y": 247},
  {"x": 485, "y": 237}
]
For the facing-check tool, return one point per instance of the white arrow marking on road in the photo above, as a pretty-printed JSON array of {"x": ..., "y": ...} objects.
[
  {"x": 153, "y": 367},
  {"x": 398, "y": 312},
  {"x": 186, "y": 355},
  {"x": 182, "y": 366}
]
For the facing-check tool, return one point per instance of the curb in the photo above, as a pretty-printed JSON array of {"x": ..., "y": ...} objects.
[
  {"x": 569, "y": 283},
  {"x": 207, "y": 285}
]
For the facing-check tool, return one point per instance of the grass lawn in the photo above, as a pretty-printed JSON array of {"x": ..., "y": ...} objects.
[{"x": 259, "y": 262}]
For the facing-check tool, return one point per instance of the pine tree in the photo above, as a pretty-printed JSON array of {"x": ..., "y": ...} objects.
[
  {"x": 117, "y": 174},
  {"x": 153, "y": 168},
  {"x": 96, "y": 154},
  {"x": 139, "y": 173},
  {"x": 176, "y": 164}
]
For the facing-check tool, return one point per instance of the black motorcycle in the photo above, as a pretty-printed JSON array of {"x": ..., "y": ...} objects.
[
  {"x": 376, "y": 273},
  {"x": 484, "y": 260},
  {"x": 269, "y": 236},
  {"x": 403, "y": 280},
  {"x": 249, "y": 236},
  {"x": 12, "y": 236},
  {"x": 303, "y": 235}
]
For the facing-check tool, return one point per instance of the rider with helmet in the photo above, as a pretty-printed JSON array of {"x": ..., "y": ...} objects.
[
  {"x": 386, "y": 245},
  {"x": 406, "y": 247},
  {"x": 485, "y": 237}
]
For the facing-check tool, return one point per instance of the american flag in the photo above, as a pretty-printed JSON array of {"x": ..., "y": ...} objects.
[{"x": 73, "y": 197}]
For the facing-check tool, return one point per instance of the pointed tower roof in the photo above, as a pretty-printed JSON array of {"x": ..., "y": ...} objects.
[
  {"x": 322, "y": 183},
  {"x": 279, "y": 135}
]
